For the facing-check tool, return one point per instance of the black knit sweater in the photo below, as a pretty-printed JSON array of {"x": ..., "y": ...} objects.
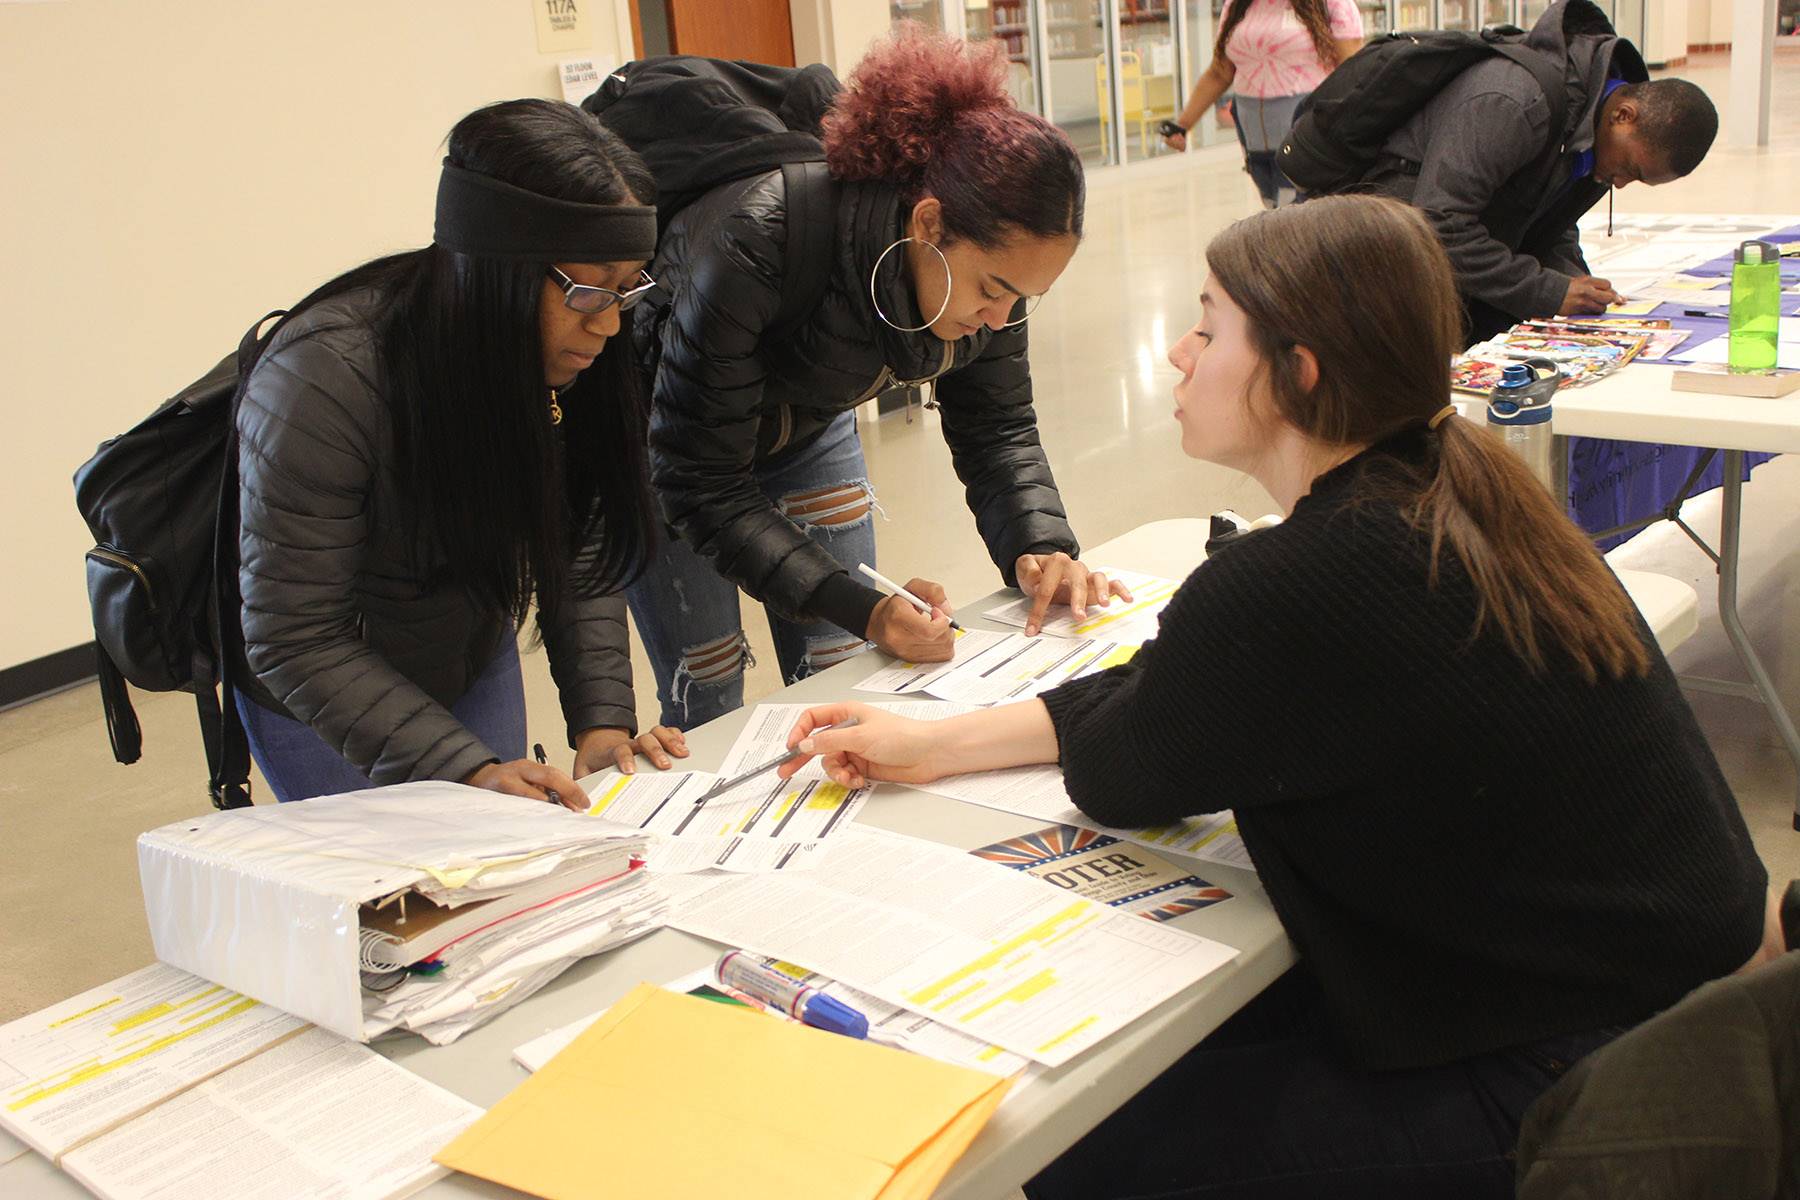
[{"x": 1467, "y": 856}]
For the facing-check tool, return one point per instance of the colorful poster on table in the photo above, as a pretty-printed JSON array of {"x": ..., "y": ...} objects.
[{"x": 1102, "y": 868}]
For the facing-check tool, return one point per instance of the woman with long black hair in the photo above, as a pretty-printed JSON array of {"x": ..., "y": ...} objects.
[{"x": 435, "y": 441}]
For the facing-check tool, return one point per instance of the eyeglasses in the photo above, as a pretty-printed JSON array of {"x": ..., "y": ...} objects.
[{"x": 586, "y": 298}]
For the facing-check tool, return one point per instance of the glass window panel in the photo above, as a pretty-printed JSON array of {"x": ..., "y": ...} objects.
[
  {"x": 1078, "y": 77},
  {"x": 929, "y": 13},
  {"x": 1375, "y": 17},
  {"x": 1008, "y": 22},
  {"x": 1151, "y": 80},
  {"x": 1414, "y": 14}
]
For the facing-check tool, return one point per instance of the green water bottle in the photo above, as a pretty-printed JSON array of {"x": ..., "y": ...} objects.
[{"x": 1755, "y": 309}]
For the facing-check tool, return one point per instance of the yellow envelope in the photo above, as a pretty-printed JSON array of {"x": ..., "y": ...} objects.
[{"x": 670, "y": 1095}]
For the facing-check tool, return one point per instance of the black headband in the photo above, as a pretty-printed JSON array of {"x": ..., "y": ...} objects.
[{"x": 477, "y": 214}]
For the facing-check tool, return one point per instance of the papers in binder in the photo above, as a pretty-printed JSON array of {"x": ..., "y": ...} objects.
[
  {"x": 1001, "y": 956},
  {"x": 789, "y": 1111},
  {"x": 305, "y": 906}
]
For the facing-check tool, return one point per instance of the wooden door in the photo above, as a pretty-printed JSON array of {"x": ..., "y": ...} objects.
[{"x": 756, "y": 30}]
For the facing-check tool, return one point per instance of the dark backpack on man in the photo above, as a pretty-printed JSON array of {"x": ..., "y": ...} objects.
[
  {"x": 703, "y": 122},
  {"x": 1341, "y": 128},
  {"x": 161, "y": 502}
]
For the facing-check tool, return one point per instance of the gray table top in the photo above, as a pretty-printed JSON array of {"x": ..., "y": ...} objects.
[{"x": 1029, "y": 1130}]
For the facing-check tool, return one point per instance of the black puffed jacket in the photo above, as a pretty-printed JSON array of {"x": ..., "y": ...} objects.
[
  {"x": 342, "y": 630},
  {"x": 727, "y": 398}
]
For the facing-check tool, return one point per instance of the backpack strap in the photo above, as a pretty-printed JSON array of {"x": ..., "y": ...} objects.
[
  {"x": 221, "y": 725},
  {"x": 122, "y": 728},
  {"x": 1549, "y": 75},
  {"x": 811, "y": 226}
]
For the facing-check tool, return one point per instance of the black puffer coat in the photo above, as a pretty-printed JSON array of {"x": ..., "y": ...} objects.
[
  {"x": 726, "y": 399},
  {"x": 339, "y": 630}
]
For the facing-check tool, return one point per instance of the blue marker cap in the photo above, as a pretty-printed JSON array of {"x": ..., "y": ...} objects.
[{"x": 834, "y": 1016}]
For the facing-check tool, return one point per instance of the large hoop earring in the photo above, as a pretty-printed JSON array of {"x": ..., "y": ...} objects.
[
  {"x": 948, "y": 281},
  {"x": 1031, "y": 306}
]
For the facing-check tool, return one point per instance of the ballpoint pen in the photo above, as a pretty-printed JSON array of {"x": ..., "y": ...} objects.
[
  {"x": 725, "y": 785},
  {"x": 893, "y": 589},
  {"x": 537, "y": 749}
]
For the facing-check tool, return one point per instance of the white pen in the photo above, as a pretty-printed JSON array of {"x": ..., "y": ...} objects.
[{"x": 893, "y": 589}]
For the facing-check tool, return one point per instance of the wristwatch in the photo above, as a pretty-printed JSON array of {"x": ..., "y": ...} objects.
[{"x": 1171, "y": 128}]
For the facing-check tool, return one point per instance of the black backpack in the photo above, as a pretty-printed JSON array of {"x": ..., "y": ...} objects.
[
  {"x": 702, "y": 122},
  {"x": 1341, "y": 128},
  {"x": 161, "y": 502}
]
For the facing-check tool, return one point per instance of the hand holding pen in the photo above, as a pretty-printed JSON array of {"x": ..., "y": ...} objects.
[{"x": 913, "y": 623}]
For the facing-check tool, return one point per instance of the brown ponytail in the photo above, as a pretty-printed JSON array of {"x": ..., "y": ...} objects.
[{"x": 1362, "y": 283}]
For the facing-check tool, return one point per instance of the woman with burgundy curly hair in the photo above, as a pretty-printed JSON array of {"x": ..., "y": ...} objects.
[
  {"x": 1270, "y": 54},
  {"x": 953, "y": 212}
]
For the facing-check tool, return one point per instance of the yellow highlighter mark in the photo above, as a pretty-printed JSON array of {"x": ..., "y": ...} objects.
[
  {"x": 957, "y": 997},
  {"x": 1045, "y": 929},
  {"x": 1066, "y": 1034},
  {"x": 990, "y": 1054},
  {"x": 828, "y": 796},
  {"x": 1017, "y": 994},
  {"x": 87, "y": 1012},
  {"x": 89, "y": 1072},
  {"x": 599, "y": 803},
  {"x": 141, "y": 1017}
]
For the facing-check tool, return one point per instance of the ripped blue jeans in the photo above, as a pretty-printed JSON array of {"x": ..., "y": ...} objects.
[{"x": 688, "y": 615}]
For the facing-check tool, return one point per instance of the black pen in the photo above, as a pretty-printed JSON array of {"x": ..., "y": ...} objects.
[
  {"x": 537, "y": 748},
  {"x": 1702, "y": 312}
]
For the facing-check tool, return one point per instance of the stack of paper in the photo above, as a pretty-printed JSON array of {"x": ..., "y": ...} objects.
[
  {"x": 163, "y": 1085},
  {"x": 425, "y": 906},
  {"x": 670, "y": 1095}
]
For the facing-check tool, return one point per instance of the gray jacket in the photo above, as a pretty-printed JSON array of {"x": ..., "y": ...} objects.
[
  {"x": 340, "y": 630},
  {"x": 1475, "y": 161},
  {"x": 1700, "y": 1102}
]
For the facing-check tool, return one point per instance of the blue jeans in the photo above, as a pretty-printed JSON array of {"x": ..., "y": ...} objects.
[
  {"x": 687, "y": 613},
  {"x": 1269, "y": 1107},
  {"x": 299, "y": 764},
  {"x": 1262, "y": 123}
]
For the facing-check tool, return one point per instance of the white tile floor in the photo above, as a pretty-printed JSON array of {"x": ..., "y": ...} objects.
[{"x": 70, "y": 911}]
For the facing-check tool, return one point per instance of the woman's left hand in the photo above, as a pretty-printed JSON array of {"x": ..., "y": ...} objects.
[
  {"x": 602, "y": 747},
  {"x": 1058, "y": 579}
]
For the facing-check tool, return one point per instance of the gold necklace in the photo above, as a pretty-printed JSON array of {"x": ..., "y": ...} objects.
[{"x": 555, "y": 409}]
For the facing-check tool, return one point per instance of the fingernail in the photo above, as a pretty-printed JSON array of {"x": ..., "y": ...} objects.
[{"x": 628, "y": 768}]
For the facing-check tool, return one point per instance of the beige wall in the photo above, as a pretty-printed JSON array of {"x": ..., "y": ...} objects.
[
  {"x": 170, "y": 170},
  {"x": 836, "y": 32}
]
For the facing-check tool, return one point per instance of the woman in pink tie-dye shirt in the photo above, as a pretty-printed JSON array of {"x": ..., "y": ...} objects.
[{"x": 1270, "y": 55}]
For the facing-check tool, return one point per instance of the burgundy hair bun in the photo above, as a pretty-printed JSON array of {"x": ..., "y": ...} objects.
[{"x": 909, "y": 92}]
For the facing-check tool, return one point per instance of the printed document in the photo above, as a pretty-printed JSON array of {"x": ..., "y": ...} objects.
[
  {"x": 97, "y": 1059},
  {"x": 316, "y": 1116},
  {"x": 763, "y": 824},
  {"x": 999, "y": 955},
  {"x": 1021, "y": 667},
  {"x": 889, "y": 1025},
  {"x": 1121, "y": 620},
  {"x": 765, "y": 734},
  {"x": 1039, "y": 792},
  {"x": 902, "y": 676}
]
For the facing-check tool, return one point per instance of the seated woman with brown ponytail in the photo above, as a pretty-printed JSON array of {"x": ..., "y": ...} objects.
[{"x": 1472, "y": 789}]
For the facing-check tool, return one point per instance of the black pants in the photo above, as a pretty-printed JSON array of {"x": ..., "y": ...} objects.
[{"x": 1268, "y": 1107}]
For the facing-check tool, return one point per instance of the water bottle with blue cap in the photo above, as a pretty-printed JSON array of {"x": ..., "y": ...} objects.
[{"x": 1518, "y": 413}]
